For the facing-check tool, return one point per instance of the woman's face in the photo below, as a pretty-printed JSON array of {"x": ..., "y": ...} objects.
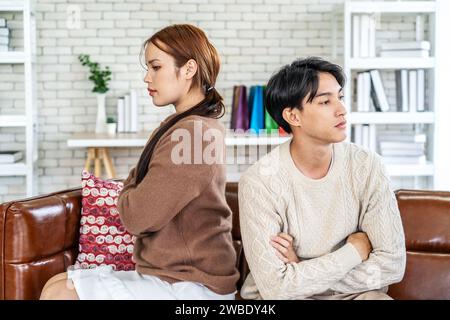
[{"x": 164, "y": 83}]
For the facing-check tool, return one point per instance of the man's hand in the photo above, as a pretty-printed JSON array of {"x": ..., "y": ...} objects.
[
  {"x": 362, "y": 243},
  {"x": 283, "y": 248}
]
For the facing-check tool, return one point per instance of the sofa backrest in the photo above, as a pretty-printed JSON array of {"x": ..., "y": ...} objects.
[
  {"x": 426, "y": 222},
  {"x": 39, "y": 238}
]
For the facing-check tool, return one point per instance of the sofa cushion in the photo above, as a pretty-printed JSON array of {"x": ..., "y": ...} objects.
[{"x": 103, "y": 238}]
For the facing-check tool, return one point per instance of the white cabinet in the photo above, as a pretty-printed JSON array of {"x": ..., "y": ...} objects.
[{"x": 27, "y": 120}]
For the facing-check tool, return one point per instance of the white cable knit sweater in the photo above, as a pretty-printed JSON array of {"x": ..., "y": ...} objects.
[{"x": 355, "y": 195}]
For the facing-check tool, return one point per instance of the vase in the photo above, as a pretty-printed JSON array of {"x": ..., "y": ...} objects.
[
  {"x": 100, "y": 125},
  {"x": 112, "y": 127}
]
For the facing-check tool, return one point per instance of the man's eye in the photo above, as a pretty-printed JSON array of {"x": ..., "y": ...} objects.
[
  {"x": 324, "y": 102},
  {"x": 341, "y": 98}
]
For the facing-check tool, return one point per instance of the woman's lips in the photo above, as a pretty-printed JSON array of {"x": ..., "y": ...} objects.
[{"x": 151, "y": 92}]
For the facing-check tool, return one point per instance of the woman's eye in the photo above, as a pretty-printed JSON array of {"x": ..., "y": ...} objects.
[
  {"x": 156, "y": 67},
  {"x": 324, "y": 102},
  {"x": 341, "y": 98}
]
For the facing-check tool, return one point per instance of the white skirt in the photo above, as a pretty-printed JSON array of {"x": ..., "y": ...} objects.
[{"x": 103, "y": 283}]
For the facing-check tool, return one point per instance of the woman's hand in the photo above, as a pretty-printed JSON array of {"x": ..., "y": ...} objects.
[{"x": 284, "y": 248}]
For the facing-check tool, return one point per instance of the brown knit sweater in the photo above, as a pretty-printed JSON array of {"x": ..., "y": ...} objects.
[{"x": 180, "y": 215}]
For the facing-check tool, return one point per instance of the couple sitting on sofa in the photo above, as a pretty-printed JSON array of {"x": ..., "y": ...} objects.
[{"x": 318, "y": 217}]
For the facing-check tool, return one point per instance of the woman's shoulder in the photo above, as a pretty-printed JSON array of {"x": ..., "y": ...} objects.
[{"x": 196, "y": 124}]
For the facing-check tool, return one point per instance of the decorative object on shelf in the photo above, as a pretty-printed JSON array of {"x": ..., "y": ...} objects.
[
  {"x": 112, "y": 126},
  {"x": 127, "y": 112},
  {"x": 100, "y": 78}
]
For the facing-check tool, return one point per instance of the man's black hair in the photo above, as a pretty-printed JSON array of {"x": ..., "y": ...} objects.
[{"x": 293, "y": 82}]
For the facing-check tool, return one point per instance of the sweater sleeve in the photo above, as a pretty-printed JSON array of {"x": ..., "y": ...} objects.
[
  {"x": 166, "y": 189},
  {"x": 273, "y": 278},
  {"x": 382, "y": 223}
]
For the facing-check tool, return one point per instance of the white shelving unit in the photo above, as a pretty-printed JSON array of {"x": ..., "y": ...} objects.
[
  {"x": 438, "y": 117},
  {"x": 28, "y": 121}
]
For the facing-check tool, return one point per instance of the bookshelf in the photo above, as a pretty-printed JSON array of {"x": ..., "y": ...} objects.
[
  {"x": 28, "y": 121},
  {"x": 434, "y": 120}
]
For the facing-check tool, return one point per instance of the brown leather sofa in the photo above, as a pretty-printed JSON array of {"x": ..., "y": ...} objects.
[{"x": 38, "y": 239}]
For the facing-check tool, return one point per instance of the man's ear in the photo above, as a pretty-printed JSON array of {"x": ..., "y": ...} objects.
[
  {"x": 292, "y": 116},
  {"x": 190, "y": 69}
]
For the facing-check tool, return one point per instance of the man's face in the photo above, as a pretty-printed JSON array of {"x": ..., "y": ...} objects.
[{"x": 323, "y": 119}]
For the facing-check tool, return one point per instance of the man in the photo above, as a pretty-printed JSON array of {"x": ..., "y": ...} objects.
[{"x": 318, "y": 217}]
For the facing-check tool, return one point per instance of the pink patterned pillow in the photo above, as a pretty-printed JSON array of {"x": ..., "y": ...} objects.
[{"x": 103, "y": 238}]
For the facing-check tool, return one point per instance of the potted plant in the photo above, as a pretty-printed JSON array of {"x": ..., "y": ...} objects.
[
  {"x": 100, "y": 78},
  {"x": 111, "y": 126}
]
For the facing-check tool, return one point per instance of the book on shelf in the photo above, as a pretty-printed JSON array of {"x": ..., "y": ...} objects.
[
  {"x": 402, "y": 152},
  {"x": 412, "y": 88},
  {"x": 4, "y": 40},
  {"x": 365, "y": 135},
  {"x": 363, "y": 34},
  {"x": 405, "y": 45},
  {"x": 10, "y": 156},
  {"x": 402, "y": 145},
  {"x": 4, "y": 32},
  {"x": 377, "y": 92},
  {"x": 405, "y": 160},
  {"x": 127, "y": 112},
  {"x": 405, "y": 53},
  {"x": 401, "y": 136},
  {"x": 420, "y": 90}
]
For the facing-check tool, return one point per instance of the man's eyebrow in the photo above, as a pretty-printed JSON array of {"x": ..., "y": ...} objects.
[{"x": 326, "y": 93}]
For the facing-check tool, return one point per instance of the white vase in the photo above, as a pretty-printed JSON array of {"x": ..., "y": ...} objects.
[
  {"x": 100, "y": 125},
  {"x": 111, "y": 128}
]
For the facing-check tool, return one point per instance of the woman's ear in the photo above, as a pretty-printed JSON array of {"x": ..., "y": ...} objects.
[
  {"x": 190, "y": 69},
  {"x": 292, "y": 116}
]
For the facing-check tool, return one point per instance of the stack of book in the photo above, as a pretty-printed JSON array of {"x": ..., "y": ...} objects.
[
  {"x": 127, "y": 112},
  {"x": 411, "y": 49},
  {"x": 365, "y": 135},
  {"x": 10, "y": 156},
  {"x": 363, "y": 34},
  {"x": 403, "y": 147},
  {"x": 410, "y": 90},
  {"x": 4, "y": 36},
  {"x": 369, "y": 86}
]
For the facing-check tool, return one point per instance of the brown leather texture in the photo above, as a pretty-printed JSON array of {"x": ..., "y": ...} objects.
[
  {"x": 426, "y": 222},
  {"x": 39, "y": 238}
]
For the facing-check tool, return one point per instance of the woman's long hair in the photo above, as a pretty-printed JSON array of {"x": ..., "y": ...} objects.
[{"x": 184, "y": 42}]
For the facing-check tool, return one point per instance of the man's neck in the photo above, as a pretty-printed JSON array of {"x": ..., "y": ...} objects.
[{"x": 310, "y": 157}]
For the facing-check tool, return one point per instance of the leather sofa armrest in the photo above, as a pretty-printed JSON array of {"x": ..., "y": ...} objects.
[{"x": 38, "y": 239}]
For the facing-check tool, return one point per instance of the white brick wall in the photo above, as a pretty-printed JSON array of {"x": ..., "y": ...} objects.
[{"x": 254, "y": 38}]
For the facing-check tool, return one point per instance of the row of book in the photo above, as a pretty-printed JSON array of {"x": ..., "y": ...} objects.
[
  {"x": 127, "y": 112},
  {"x": 248, "y": 110},
  {"x": 363, "y": 34},
  {"x": 4, "y": 36},
  {"x": 396, "y": 147},
  {"x": 10, "y": 156},
  {"x": 410, "y": 91},
  {"x": 411, "y": 49}
]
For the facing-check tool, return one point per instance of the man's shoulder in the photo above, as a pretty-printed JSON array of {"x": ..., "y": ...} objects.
[{"x": 268, "y": 168}]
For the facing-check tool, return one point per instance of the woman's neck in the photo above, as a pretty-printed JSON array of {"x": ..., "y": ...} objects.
[
  {"x": 311, "y": 158},
  {"x": 189, "y": 100}
]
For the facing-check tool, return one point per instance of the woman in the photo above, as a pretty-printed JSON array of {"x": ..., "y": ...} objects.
[{"x": 173, "y": 201}]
